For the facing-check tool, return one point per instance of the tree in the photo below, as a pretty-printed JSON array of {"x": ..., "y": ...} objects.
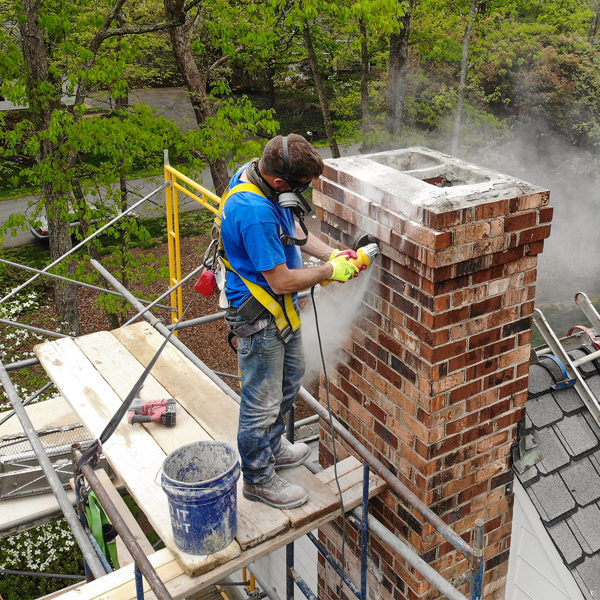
[
  {"x": 397, "y": 70},
  {"x": 57, "y": 49},
  {"x": 473, "y": 8}
]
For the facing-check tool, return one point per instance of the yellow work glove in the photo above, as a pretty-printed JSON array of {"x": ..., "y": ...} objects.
[{"x": 342, "y": 268}]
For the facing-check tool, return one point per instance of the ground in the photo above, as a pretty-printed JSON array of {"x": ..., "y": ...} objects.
[{"x": 207, "y": 341}]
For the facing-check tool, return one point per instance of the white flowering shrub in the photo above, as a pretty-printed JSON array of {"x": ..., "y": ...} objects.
[{"x": 50, "y": 548}]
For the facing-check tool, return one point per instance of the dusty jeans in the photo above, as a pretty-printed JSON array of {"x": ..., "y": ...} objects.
[{"x": 271, "y": 377}]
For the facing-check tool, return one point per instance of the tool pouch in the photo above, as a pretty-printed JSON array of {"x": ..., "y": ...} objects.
[{"x": 207, "y": 283}]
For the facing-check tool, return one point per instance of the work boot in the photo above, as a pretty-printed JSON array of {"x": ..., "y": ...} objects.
[
  {"x": 277, "y": 492},
  {"x": 291, "y": 456}
]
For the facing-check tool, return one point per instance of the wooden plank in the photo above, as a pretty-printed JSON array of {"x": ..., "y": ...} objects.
[
  {"x": 121, "y": 370},
  {"x": 195, "y": 391},
  {"x": 51, "y": 413},
  {"x": 134, "y": 455},
  {"x": 124, "y": 556},
  {"x": 216, "y": 412},
  {"x": 120, "y": 585},
  {"x": 321, "y": 500}
]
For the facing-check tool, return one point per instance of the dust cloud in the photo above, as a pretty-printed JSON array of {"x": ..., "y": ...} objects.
[
  {"x": 338, "y": 305},
  {"x": 570, "y": 262}
]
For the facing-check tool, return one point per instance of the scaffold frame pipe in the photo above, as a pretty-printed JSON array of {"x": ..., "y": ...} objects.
[
  {"x": 413, "y": 559},
  {"x": 82, "y": 243},
  {"x": 34, "y": 329},
  {"x": 169, "y": 291},
  {"x": 74, "y": 281},
  {"x": 399, "y": 488},
  {"x": 128, "y": 539},
  {"x": 162, "y": 329},
  {"x": 81, "y": 537}
]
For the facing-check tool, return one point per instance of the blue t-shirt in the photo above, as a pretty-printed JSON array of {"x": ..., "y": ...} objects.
[{"x": 251, "y": 226}]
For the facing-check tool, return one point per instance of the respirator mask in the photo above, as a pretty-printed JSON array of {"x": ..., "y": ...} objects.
[{"x": 293, "y": 198}]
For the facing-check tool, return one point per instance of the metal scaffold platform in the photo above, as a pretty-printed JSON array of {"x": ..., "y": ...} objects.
[
  {"x": 94, "y": 373},
  {"x": 98, "y": 374}
]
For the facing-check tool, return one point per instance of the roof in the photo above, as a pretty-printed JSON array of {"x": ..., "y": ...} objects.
[{"x": 564, "y": 485}]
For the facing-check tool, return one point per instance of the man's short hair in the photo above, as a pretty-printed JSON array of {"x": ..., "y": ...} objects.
[{"x": 304, "y": 161}]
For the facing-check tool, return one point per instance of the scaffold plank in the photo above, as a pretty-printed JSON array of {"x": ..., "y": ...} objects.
[
  {"x": 135, "y": 456},
  {"x": 217, "y": 412},
  {"x": 121, "y": 369},
  {"x": 194, "y": 390},
  {"x": 120, "y": 585}
]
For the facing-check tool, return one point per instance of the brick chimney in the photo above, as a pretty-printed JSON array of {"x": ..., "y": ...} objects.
[{"x": 434, "y": 377}]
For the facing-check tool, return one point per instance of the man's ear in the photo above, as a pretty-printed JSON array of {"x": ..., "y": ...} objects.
[{"x": 281, "y": 185}]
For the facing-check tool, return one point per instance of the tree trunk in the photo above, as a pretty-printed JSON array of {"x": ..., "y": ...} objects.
[
  {"x": 594, "y": 24},
  {"x": 463, "y": 80},
  {"x": 271, "y": 86},
  {"x": 196, "y": 85},
  {"x": 364, "y": 79},
  {"x": 324, "y": 103},
  {"x": 395, "y": 97},
  {"x": 44, "y": 94}
]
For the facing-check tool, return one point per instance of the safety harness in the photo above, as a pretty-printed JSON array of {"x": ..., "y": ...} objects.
[{"x": 280, "y": 306}]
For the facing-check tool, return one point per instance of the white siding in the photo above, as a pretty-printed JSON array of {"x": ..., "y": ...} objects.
[
  {"x": 535, "y": 569},
  {"x": 272, "y": 567}
]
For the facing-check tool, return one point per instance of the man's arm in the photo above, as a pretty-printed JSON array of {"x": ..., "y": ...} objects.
[
  {"x": 285, "y": 281},
  {"x": 315, "y": 247}
]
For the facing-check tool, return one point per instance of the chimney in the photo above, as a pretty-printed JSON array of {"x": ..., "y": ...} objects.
[{"x": 434, "y": 378}]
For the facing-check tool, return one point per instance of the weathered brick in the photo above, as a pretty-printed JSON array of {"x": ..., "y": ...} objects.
[
  {"x": 520, "y": 221},
  {"x": 466, "y": 391}
]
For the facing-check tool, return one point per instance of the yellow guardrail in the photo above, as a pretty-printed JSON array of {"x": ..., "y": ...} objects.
[{"x": 208, "y": 200}]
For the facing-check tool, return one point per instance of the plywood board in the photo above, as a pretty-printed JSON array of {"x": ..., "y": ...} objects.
[{"x": 135, "y": 456}]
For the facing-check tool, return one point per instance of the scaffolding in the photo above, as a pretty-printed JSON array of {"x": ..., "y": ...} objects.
[{"x": 97, "y": 565}]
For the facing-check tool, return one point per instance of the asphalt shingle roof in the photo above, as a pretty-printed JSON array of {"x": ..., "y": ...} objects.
[{"x": 564, "y": 485}]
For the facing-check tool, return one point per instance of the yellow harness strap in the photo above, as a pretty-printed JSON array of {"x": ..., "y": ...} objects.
[{"x": 285, "y": 317}]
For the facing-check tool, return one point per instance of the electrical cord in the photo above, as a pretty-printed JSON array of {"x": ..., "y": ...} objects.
[{"x": 333, "y": 444}]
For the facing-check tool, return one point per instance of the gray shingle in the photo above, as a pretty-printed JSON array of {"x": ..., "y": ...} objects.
[
  {"x": 539, "y": 379},
  {"x": 583, "y": 481},
  {"x": 587, "y": 368},
  {"x": 566, "y": 543},
  {"x": 592, "y": 423},
  {"x": 543, "y": 411},
  {"x": 553, "y": 367},
  {"x": 587, "y": 575},
  {"x": 575, "y": 435},
  {"x": 553, "y": 453},
  {"x": 585, "y": 525},
  {"x": 528, "y": 477},
  {"x": 551, "y": 499},
  {"x": 569, "y": 400},
  {"x": 594, "y": 385}
]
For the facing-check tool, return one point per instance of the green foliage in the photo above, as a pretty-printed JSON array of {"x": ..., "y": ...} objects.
[{"x": 50, "y": 548}]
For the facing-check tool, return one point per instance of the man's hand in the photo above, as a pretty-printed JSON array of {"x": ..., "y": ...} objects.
[
  {"x": 348, "y": 254},
  {"x": 342, "y": 268}
]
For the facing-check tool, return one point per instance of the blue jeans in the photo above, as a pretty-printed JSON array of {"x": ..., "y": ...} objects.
[{"x": 271, "y": 377}]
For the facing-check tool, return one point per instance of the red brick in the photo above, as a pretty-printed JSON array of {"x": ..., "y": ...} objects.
[
  {"x": 487, "y": 306},
  {"x": 464, "y": 360},
  {"x": 450, "y": 317},
  {"x": 534, "y": 234},
  {"x": 546, "y": 214},
  {"x": 484, "y": 339},
  {"x": 466, "y": 391},
  {"x": 520, "y": 221},
  {"x": 482, "y": 369}
]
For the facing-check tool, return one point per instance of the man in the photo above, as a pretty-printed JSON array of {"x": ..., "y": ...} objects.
[{"x": 261, "y": 246}]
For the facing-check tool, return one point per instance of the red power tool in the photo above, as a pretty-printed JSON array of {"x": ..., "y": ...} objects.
[{"x": 152, "y": 411}]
